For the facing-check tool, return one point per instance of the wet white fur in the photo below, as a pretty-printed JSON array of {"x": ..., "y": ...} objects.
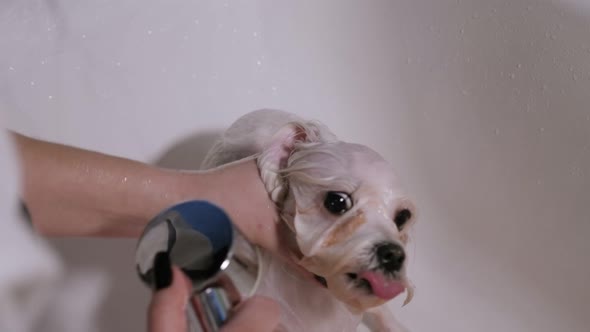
[{"x": 298, "y": 159}]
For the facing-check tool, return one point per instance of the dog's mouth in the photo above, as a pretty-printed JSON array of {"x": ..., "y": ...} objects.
[{"x": 376, "y": 283}]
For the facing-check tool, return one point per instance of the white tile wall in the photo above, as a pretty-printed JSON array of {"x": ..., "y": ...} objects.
[{"x": 481, "y": 105}]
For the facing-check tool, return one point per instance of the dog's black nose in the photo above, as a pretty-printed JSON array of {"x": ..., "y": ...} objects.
[{"x": 390, "y": 256}]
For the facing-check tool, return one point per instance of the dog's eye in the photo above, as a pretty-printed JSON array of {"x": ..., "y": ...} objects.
[
  {"x": 402, "y": 217},
  {"x": 337, "y": 202}
]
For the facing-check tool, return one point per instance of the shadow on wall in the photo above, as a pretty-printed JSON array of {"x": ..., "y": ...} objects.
[{"x": 188, "y": 153}]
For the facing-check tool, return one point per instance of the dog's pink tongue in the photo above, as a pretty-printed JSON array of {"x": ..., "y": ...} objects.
[{"x": 382, "y": 287}]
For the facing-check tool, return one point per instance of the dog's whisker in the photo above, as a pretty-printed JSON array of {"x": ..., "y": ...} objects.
[{"x": 409, "y": 292}]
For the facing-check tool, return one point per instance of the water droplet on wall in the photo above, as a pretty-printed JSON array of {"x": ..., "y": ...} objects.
[
  {"x": 576, "y": 170},
  {"x": 549, "y": 35}
]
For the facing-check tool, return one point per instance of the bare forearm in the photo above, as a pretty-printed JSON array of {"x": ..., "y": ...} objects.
[{"x": 75, "y": 192}]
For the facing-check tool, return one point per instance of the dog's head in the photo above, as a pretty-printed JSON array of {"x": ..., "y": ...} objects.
[{"x": 347, "y": 212}]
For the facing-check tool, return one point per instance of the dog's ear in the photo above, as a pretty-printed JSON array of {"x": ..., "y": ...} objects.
[{"x": 276, "y": 154}]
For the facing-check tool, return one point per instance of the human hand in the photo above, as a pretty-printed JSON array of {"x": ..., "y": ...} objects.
[
  {"x": 238, "y": 189},
  {"x": 167, "y": 310}
]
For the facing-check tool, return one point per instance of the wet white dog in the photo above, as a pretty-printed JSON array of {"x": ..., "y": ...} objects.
[{"x": 346, "y": 216}]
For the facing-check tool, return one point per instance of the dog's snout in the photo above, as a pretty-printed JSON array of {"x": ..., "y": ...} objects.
[{"x": 390, "y": 256}]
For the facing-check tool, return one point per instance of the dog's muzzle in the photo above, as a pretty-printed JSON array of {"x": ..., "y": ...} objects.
[{"x": 382, "y": 279}]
